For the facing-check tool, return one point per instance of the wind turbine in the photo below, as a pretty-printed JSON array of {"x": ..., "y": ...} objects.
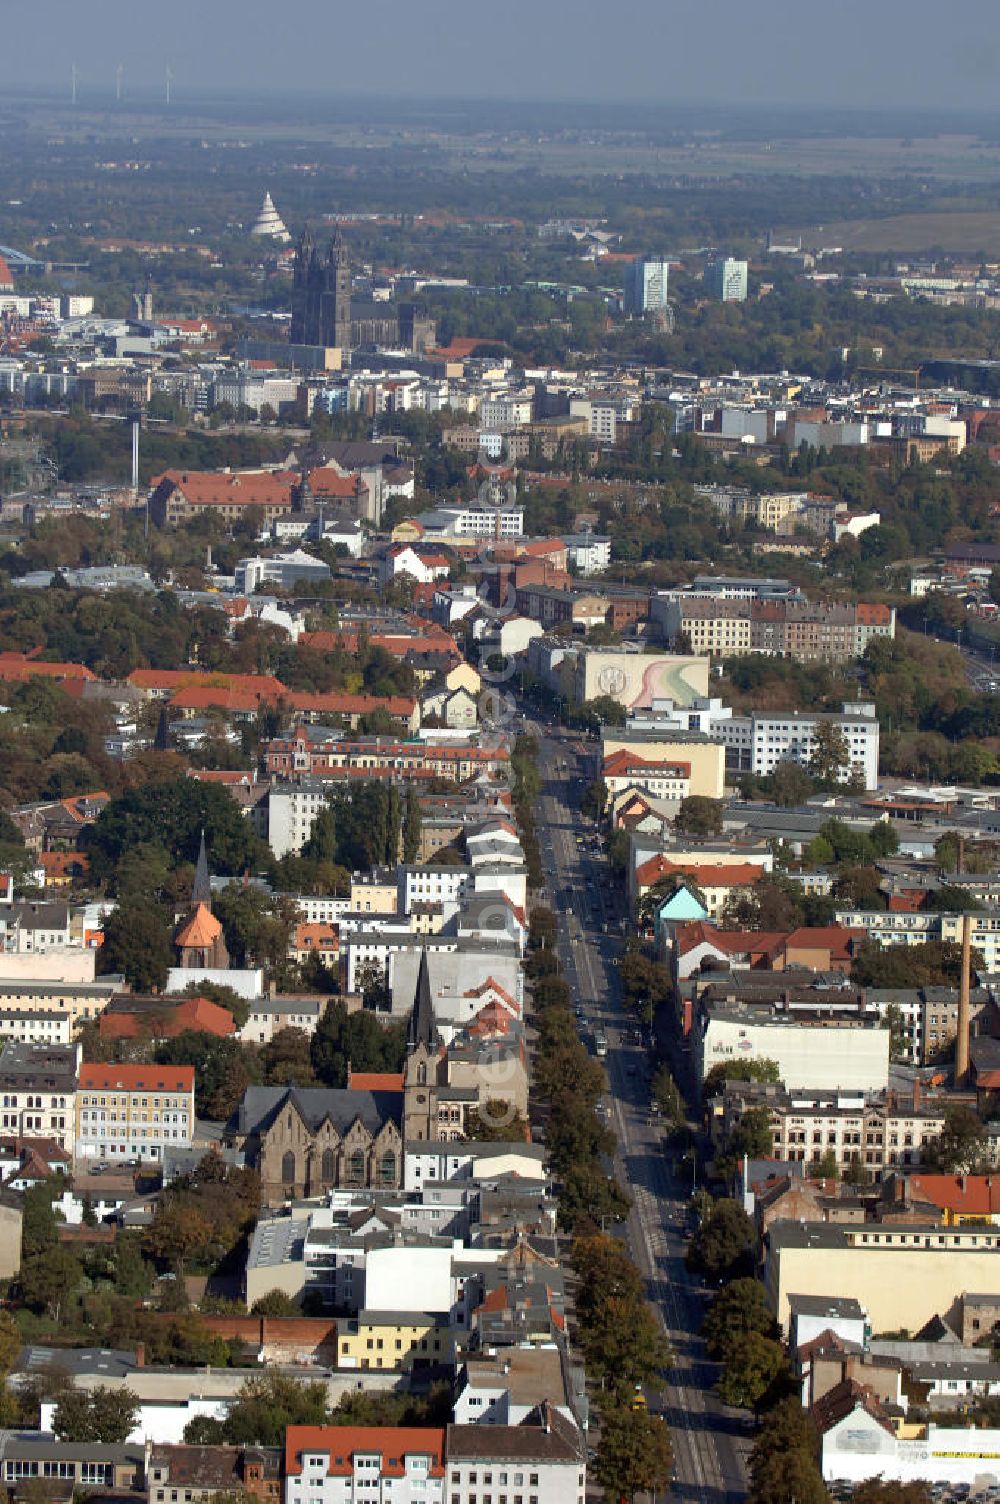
[
  {"x": 119, "y": 75},
  {"x": 74, "y": 74},
  {"x": 169, "y": 74}
]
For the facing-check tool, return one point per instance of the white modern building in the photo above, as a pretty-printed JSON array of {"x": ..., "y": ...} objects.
[
  {"x": 758, "y": 742},
  {"x": 285, "y": 570},
  {"x": 813, "y": 1053},
  {"x": 726, "y": 280},
  {"x": 645, "y": 285},
  {"x": 588, "y": 553}
]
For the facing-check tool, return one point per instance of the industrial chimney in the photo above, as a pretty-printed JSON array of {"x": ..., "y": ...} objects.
[{"x": 962, "y": 1036}]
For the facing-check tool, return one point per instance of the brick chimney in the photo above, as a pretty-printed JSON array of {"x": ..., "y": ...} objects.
[{"x": 140, "y": 1355}]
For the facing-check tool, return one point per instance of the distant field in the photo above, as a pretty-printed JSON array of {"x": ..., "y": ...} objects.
[{"x": 963, "y": 232}]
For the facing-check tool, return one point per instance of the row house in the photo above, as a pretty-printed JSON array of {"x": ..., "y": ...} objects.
[
  {"x": 322, "y": 755},
  {"x": 38, "y": 1091}
]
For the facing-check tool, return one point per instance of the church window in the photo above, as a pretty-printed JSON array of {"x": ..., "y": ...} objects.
[
  {"x": 288, "y": 1168},
  {"x": 356, "y": 1168},
  {"x": 387, "y": 1168},
  {"x": 327, "y": 1167}
]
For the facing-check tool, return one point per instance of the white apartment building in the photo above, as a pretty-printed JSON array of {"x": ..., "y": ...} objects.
[
  {"x": 588, "y": 553},
  {"x": 38, "y": 1087},
  {"x": 37, "y": 1025},
  {"x": 430, "y": 885},
  {"x": 758, "y": 742},
  {"x": 918, "y": 929},
  {"x": 375, "y": 1464},
  {"x": 291, "y": 811},
  {"x": 542, "y": 1460},
  {"x": 133, "y": 1111},
  {"x": 507, "y": 410}
]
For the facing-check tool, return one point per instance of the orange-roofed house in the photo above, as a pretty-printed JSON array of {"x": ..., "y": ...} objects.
[
  {"x": 133, "y": 1112},
  {"x": 961, "y": 1198},
  {"x": 716, "y": 881},
  {"x": 18, "y": 668},
  {"x": 337, "y": 1464},
  {"x": 162, "y": 1018},
  {"x": 321, "y": 940},
  {"x": 161, "y": 683},
  {"x": 178, "y": 495}
]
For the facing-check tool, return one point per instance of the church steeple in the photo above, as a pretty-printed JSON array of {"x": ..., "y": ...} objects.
[
  {"x": 201, "y": 889},
  {"x": 423, "y": 1030}
]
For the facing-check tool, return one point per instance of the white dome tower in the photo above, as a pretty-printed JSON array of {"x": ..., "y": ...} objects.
[{"x": 269, "y": 222}]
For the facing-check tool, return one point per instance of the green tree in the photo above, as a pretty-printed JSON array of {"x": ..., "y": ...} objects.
[
  {"x": 267, "y": 1405},
  {"x": 49, "y": 1279},
  {"x": 753, "y": 1365},
  {"x": 173, "y": 815},
  {"x": 634, "y": 1454},
  {"x": 791, "y": 785},
  {"x": 667, "y": 1097},
  {"x": 697, "y": 815},
  {"x": 960, "y": 1148},
  {"x": 739, "y": 1307},
  {"x": 721, "y": 1247},
  {"x": 738, "y": 1070},
  {"x": 223, "y": 1069},
  {"x": 39, "y": 1223},
  {"x": 103, "y": 1415},
  {"x": 830, "y": 755},
  {"x": 783, "y": 1466},
  {"x": 275, "y": 1303},
  {"x": 412, "y": 825},
  {"x": 138, "y": 944}
]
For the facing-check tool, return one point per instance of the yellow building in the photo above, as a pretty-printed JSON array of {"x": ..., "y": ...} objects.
[
  {"x": 374, "y": 892},
  {"x": 901, "y": 1274},
  {"x": 707, "y": 760},
  {"x": 394, "y": 1340}
]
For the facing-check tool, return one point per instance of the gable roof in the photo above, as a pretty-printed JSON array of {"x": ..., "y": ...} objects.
[
  {"x": 202, "y": 929},
  {"x": 342, "y": 1443},
  {"x": 843, "y": 1400},
  {"x": 261, "y": 1106}
]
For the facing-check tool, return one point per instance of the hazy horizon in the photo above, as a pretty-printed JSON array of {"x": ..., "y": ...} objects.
[{"x": 888, "y": 57}]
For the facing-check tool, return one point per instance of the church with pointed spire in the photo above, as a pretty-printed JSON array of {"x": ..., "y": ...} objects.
[{"x": 199, "y": 940}]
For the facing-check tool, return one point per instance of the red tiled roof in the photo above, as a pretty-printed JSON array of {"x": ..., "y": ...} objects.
[
  {"x": 968, "y": 1195},
  {"x": 873, "y": 614},
  {"x": 197, "y": 1013},
  {"x": 375, "y": 1081},
  {"x": 708, "y": 875},
  {"x": 17, "y": 667},
  {"x": 326, "y": 481},
  {"x": 205, "y": 488},
  {"x": 342, "y": 1443},
  {"x": 137, "y": 1078}
]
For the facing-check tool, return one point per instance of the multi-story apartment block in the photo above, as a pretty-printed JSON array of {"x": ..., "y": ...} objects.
[
  {"x": 726, "y": 280},
  {"x": 313, "y": 750},
  {"x": 133, "y": 1111},
  {"x": 917, "y": 929},
  {"x": 201, "y": 1473},
  {"x": 758, "y": 742},
  {"x": 645, "y": 285},
  {"x": 38, "y": 1088},
  {"x": 34, "y": 927},
  {"x": 879, "y": 1133},
  {"x": 378, "y": 1464},
  {"x": 726, "y": 626},
  {"x": 542, "y": 1460}
]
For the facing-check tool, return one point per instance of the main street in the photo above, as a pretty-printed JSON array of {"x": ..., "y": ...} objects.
[{"x": 709, "y": 1443}]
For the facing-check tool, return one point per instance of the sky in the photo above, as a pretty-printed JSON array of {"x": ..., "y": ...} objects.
[{"x": 849, "y": 53}]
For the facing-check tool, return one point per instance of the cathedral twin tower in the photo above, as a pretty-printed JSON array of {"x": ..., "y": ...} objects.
[{"x": 321, "y": 294}]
